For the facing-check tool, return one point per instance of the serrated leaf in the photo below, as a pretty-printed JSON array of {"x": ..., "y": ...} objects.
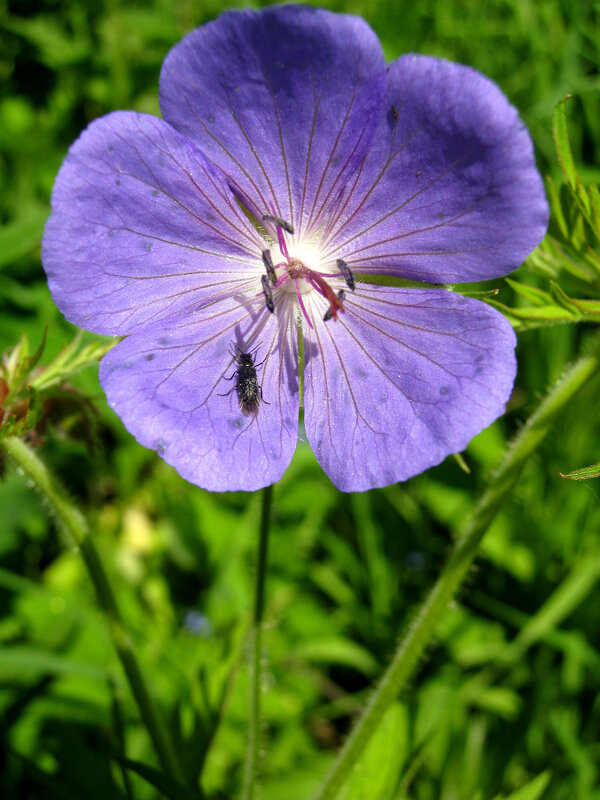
[
  {"x": 584, "y": 203},
  {"x": 71, "y": 360},
  {"x": 375, "y": 775},
  {"x": 531, "y": 293},
  {"x": 26, "y": 363},
  {"x": 594, "y": 196},
  {"x": 561, "y": 142},
  {"x": 12, "y": 359},
  {"x": 557, "y": 216},
  {"x": 34, "y": 412},
  {"x": 570, "y": 310},
  {"x": 18, "y": 425},
  {"x": 534, "y": 317},
  {"x": 531, "y": 791},
  {"x": 583, "y": 474},
  {"x": 562, "y": 299}
]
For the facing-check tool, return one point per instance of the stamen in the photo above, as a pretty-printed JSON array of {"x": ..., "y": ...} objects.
[
  {"x": 331, "y": 312},
  {"x": 279, "y": 222},
  {"x": 267, "y": 293},
  {"x": 268, "y": 262},
  {"x": 302, "y": 307},
  {"x": 347, "y": 273},
  {"x": 282, "y": 244}
]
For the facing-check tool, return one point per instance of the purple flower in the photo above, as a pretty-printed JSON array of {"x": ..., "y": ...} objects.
[{"x": 292, "y": 171}]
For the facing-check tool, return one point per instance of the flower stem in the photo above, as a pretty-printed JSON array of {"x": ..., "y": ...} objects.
[
  {"x": 75, "y": 524},
  {"x": 252, "y": 756},
  {"x": 462, "y": 555}
]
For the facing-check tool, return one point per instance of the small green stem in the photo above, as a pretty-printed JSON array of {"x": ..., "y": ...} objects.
[
  {"x": 75, "y": 524},
  {"x": 464, "y": 551},
  {"x": 252, "y": 756}
]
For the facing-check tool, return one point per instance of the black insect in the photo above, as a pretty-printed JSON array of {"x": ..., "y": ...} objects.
[{"x": 249, "y": 391}]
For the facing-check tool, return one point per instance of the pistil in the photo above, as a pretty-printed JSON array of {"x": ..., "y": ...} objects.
[{"x": 295, "y": 269}]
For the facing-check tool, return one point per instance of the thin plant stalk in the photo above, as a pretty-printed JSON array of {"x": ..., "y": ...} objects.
[
  {"x": 72, "y": 519},
  {"x": 252, "y": 756},
  {"x": 465, "y": 549}
]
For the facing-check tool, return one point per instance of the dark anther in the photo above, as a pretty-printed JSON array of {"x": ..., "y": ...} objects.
[
  {"x": 268, "y": 262},
  {"x": 341, "y": 296},
  {"x": 347, "y": 273},
  {"x": 395, "y": 113},
  {"x": 282, "y": 223},
  {"x": 268, "y": 293}
]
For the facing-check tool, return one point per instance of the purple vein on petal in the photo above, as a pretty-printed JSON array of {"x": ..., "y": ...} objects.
[
  {"x": 332, "y": 234},
  {"x": 336, "y": 142},
  {"x": 282, "y": 145},
  {"x": 339, "y": 245}
]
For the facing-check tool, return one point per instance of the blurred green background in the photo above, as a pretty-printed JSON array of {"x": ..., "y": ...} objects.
[{"x": 484, "y": 716}]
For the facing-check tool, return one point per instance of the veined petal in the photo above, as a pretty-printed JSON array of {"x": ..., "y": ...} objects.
[
  {"x": 449, "y": 191},
  {"x": 174, "y": 387},
  {"x": 142, "y": 225},
  {"x": 403, "y": 378},
  {"x": 284, "y": 100}
]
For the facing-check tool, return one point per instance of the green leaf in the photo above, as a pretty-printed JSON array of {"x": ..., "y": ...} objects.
[
  {"x": 21, "y": 236},
  {"x": 167, "y": 786},
  {"x": 338, "y": 650},
  {"x": 479, "y": 294},
  {"x": 57, "y": 48},
  {"x": 462, "y": 463},
  {"x": 499, "y": 700},
  {"x": 583, "y": 474},
  {"x": 20, "y": 659},
  {"x": 376, "y": 773},
  {"x": 531, "y": 791}
]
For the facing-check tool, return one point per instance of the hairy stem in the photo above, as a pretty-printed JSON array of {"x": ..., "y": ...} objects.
[
  {"x": 252, "y": 757},
  {"x": 75, "y": 524},
  {"x": 419, "y": 635}
]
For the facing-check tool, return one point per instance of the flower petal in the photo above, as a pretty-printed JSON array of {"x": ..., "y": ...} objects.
[
  {"x": 141, "y": 226},
  {"x": 402, "y": 379},
  {"x": 449, "y": 191},
  {"x": 174, "y": 387},
  {"x": 284, "y": 100}
]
